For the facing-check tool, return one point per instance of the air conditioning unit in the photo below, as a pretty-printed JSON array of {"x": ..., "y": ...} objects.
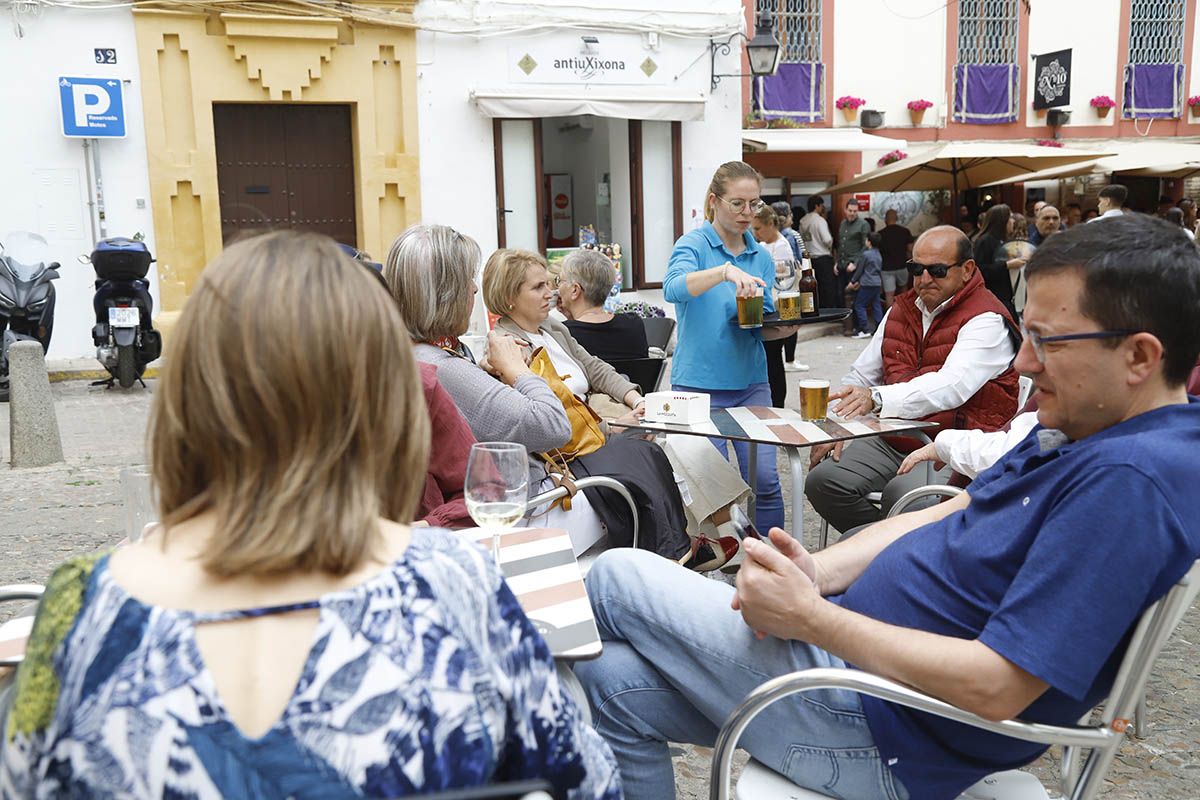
[{"x": 871, "y": 118}]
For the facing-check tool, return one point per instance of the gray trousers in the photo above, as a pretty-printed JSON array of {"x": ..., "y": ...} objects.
[{"x": 838, "y": 489}]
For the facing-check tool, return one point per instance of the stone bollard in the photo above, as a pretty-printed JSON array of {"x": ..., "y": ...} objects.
[{"x": 32, "y": 422}]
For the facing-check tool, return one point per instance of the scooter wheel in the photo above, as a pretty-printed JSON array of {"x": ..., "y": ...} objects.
[{"x": 126, "y": 366}]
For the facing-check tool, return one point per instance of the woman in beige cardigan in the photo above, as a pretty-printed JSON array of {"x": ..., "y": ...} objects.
[{"x": 516, "y": 287}]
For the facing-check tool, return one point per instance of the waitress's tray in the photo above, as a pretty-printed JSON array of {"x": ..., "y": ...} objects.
[{"x": 772, "y": 320}]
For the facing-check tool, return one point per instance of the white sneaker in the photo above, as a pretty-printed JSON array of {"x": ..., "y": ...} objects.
[
  {"x": 795, "y": 366},
  {"x": 862, "y": 335}
]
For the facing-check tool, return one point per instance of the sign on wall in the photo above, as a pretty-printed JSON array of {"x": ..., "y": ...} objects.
[
  {"x": 576, "y": 62},
  {"x": 1052, "y": 76},
  {"x": 92, "y": 108}
]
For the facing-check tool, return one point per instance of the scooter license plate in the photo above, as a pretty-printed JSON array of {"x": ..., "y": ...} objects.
[{"x": 123, "y": 317}]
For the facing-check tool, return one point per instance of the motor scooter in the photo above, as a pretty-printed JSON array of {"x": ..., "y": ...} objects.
[
  {"x": 26, "y": 295},
  {"x": 124, "y": 335}
]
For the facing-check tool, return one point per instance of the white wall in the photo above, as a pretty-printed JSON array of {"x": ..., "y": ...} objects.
[
  {"x": 59, "y": 43},
  {"x": 889, "y": 53},
  {"x": 457, "y": 164},
  {"x": 1090, "y": 29}
]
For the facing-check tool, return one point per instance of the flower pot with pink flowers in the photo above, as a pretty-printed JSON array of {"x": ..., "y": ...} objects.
[
  {"x": 849, "y": 106},
  {"x": 917, "y": 109},
  {"x": 1194, "y": 105},
  {"x": 1103, "y": 104},
  {"x": 891, "y": 158}
]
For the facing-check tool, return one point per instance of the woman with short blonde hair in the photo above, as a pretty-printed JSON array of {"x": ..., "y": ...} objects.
[{"x": 284, "y": 632}]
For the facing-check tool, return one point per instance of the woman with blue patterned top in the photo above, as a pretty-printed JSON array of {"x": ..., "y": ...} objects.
[{"x": 282, "y": 634}]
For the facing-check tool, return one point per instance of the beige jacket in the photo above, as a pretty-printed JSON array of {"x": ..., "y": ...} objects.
[{"x": 600, "y": 376}]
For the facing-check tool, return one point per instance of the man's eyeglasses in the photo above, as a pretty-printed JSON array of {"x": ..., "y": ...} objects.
[
  {"x": 934, "y": 270},
  {"x": 1038, "y": 341},
  {"x": 737, "y": 205}
]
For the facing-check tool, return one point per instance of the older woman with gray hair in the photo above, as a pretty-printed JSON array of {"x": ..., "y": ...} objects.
[{"x": 584, "y": 282}]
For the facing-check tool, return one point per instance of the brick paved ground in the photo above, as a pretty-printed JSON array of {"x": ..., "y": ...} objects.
[{"x": 49, "y": 514}]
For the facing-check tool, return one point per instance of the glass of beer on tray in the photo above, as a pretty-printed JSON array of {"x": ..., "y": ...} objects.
[
  {"x": 788, "y": 305},
  {"x": 750, "y": 310},
  {"x": 814, "y": 400}
]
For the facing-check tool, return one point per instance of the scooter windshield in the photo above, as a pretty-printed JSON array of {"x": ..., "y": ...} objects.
[{"x": 27, "y": 252}]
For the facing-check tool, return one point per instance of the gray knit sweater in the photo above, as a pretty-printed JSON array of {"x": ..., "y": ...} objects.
[{"x": 528, "y": 413}]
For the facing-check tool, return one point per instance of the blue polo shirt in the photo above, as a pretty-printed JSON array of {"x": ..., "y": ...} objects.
[
  {"x": 711, "y": 352},
  {"x": 1060, "y": 551}
]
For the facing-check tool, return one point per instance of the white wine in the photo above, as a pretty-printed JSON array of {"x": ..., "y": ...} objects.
[{"x": 495, "y": 515}]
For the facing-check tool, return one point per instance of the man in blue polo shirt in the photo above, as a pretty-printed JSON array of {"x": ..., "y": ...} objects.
[{"x": 1013, "y": 600}]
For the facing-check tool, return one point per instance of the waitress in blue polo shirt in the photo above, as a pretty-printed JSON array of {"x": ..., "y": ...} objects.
[{"x": 709, "y": 268}]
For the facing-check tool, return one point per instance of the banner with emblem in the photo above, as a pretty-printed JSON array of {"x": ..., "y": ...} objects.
[{"x": 1052, "y": 80}]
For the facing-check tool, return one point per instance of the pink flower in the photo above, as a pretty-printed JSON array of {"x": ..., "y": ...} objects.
[
  {"x": 1194, "y": 100},
  {"x": 1049, "y": 143},
  {"x": 849, "y": 101},
  {"x": 919, "y": 105},
  {"x": 1103, "y": 101},
  {"x": 892, "y": 158}
]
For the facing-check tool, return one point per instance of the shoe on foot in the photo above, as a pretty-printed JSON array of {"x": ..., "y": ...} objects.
[
  {"x": 862, "y": 335},
  {"x": 795, "y": 366}
]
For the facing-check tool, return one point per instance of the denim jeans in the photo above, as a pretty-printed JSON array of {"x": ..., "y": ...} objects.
[
  {"x": 677, "y": 660},
  {"x": 767, "y": 491},
  {"x": 867, "y": 298}
]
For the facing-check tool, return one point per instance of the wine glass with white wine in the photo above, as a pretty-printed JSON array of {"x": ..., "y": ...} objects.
[{"x": 497, "y": 487}]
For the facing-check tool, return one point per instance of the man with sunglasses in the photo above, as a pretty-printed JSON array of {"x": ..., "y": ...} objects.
[
  {"x": 943, "y": 354},
  {"x": 1015, "y": 599}
]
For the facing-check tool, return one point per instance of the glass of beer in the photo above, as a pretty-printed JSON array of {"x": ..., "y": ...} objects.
[
  {"x": 788, "y": 305},
  {"x": 750, "y": 311},
  {"x": 814, "y": 400}
]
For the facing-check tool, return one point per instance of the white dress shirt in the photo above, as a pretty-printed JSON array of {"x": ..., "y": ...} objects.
[
  {"x": 971, "y": 452},
  {"x": 1112, "y": 212},
  {"x": 815, "y": 232},
  {"x": 982, "y": 352}
]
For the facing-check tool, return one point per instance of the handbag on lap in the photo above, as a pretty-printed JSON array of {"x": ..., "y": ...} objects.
[{"x": 586, "y": 434}]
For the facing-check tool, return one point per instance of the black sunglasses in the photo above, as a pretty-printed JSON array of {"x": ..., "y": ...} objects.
[{"x": 935, "y": 270}]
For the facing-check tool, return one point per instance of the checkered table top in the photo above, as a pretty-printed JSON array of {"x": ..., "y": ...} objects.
[{"x": 783, "y": 426}]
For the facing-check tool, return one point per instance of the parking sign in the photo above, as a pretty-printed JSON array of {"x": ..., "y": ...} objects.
[{"x": 92, "y": 107}]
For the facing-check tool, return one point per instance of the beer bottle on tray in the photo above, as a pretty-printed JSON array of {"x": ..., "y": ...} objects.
[{"x": 807, "y": 287}]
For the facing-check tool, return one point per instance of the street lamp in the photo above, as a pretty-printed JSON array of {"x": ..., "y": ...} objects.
[{"x": 762, "y": 52}]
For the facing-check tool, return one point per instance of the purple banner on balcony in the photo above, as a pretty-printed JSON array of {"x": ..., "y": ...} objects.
[
  {"x": 795, "y": 92},
  {"x": 986, "y": 94},
  {"x": 1153, "y": 91}
]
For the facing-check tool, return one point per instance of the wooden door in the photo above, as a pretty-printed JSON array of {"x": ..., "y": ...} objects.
[{"x": 285, "y": 166}]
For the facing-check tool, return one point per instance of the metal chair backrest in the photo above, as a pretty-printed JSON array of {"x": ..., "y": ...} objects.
[
  {"x": 658, "y": 331},
  {"x": 597, "y": 481},
  {"x": 1103, "y": 738},
  {"x": 645, "y": 372}
]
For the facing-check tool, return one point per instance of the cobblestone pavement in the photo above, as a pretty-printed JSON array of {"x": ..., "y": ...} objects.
[{"x": 49, "y": 514}]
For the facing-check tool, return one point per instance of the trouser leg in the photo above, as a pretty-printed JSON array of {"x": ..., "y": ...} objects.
[
  {"x": 677, "y": 660},
  {"x": 789, "y": 347},
  {"x": 826, "y": 281},
  {"x": 776, "y": 376},
  {"x": 838, "y": 489}
]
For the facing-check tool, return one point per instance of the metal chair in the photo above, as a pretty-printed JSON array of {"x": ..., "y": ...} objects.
[
  {"x": 658, "y": 331},
  {"x": 519, "y": 790},
  {"x": 1102, "y": 738},
  {"x": 906, "y": 500},
  {"x": 24, "y": 591},
  {"x": 645, "y": 372},
  {"x": 597, "y": 481}
]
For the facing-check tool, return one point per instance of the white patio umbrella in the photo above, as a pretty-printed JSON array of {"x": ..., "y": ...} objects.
[
  {"x": 963, "y": 165},
  {"x": 1156, "y": 158}
]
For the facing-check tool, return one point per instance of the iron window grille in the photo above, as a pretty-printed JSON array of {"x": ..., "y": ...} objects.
[
  {"x": 1156, "y": 31},
  {"x": 988, "y": 31},
  {"x": 798, "y": 28}
]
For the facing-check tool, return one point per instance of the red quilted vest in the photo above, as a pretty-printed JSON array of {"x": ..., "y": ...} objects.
[{"x": 906, "y": 355}]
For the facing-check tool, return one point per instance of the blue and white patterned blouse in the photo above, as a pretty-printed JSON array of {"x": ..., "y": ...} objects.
[{"x": 426, "y": 677}]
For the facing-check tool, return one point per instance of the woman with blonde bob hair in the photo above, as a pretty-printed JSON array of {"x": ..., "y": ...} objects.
[{"x": 284, "y": 632}]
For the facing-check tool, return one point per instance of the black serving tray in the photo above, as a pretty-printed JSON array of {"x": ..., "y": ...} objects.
[{"x": 772, "y": 320}]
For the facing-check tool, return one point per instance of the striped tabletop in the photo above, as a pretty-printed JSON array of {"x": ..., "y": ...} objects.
[
  {"x": 783, "y": 426},
  {"x": 540, "y": 568},
  {"x": 13, "y": 635}
]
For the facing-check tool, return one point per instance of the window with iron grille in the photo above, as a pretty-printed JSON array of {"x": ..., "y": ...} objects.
[
  {"x": 797, "y": 26},
  {"x": 988, "y": 31},
  {"x": 1156, "y": 31}
]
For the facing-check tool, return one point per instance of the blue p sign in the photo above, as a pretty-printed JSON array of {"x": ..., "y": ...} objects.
[{"x": 92, "y": 107}]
